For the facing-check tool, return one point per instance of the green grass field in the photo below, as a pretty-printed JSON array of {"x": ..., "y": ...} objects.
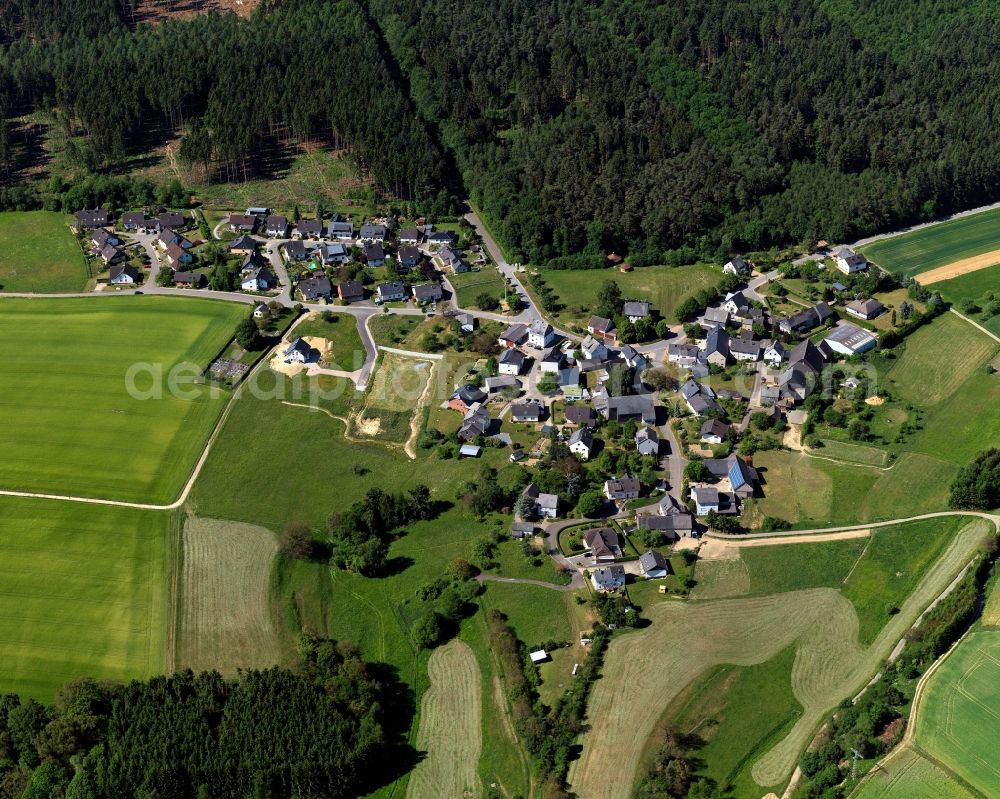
[
  {"x": 469, "y": 285},
  {"x": 39, "y": 253},
  {"x": 663, "y": 286},
  {"x": 938, "y": 358},
  {"x": 72, "y": 425},
  {"x": 960, "y": 712},
  {"x": 348, "y": 353},
  {"x": 935, "y": 246},
  {"x": 738, "y": 711},
  {"x": 85, "y": 593},
  {"x": 974, "y": 286},
  {"x": 908, "y": 775}
]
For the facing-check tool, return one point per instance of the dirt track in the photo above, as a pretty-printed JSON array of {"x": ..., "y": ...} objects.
[
  {"x": 957, "y": 268},
  {"x": 715, "y": 549}
]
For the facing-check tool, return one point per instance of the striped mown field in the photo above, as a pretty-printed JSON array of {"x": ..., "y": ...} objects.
[{"x": 72, "y": 426}]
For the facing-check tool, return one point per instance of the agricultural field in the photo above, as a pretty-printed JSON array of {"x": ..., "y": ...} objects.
[
  {"x": 938, "y": 358},
  {"x": 664, "y": 286},
  {"x": 39, "y": 253},
  {"x": 450, "y": 726},
  {"x": 908, "y": 775},
  {"x": 85, "y": 593},
  {"x": 975, "y": 286},
  {"x": 940, "y": 245},
  {"x": 67, "y": 405},
  {"x": 960, "y": 711},
  {"x": 646, "y": 671},
  {"x": 225, "y": 618}
]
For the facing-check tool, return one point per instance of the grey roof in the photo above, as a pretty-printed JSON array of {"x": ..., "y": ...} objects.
[
  {"x": 516, "y": 333},
  {"x": 528, "y": 409},
  {"x": 126, "y": 269},
  {"x": 427, "y": 291},
  {"x": 244, "y": 242},
  {"x": 394, "y": 288},
  {"x": 550, "y": 501},
  {"x": 624, "y": 484},
  {"x": 512, "y": 356},
  {"x": 713, "y": 427},
  {"x": 600, "y": 325},
  {"x": 652, "y": 560},
  {"x": 675, "y": 523},
  {"x": 470, "y": 394},
  {"x": 372, "y": 231},
  {"x": 170, "y": 219},
  {"x": 807, "y": 354},
  {"x": 568, "y": 377},
  {"x": 706, "y": 495},
  {"x": 373, "y": 252},
  {"x": 632, "y": 406},
  {"x": 580, "y": 414},
  {"x": 300, "y": 345},
  {"x": 310, "y": 227},
  {"x": 409, "y": 234},
  {"x": 583, "y": 436},
  {"x": 646, "y": 434},
  {"x": 851, "y": 337},
  {"x": 603, "y": 541},
  {"x": 276, "y": 222},
  {"x": 636, "y": 308},
  {"x": 717, "y": 340},
  {"x": 745, "y": 346},
  {"x": 716, "y": 316},
  {"x": 316, "y": 286},
  {"x": 866, "y": 308},
  {"x": 295, "y": 250},
  {"x": 409, "y": 253},
  {"x": 608, "y": 575},
  {"x": 739, "y": 263}
]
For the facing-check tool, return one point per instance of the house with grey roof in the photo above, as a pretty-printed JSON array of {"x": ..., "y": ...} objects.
[
  {"x": 540, "y": 334},
  {"x": 340, "y": 230},
  {"x": 276, "y": 226},
  {"x": 647, "y": 442},
  {"x": 124, "y": 274},
  {"x": 653, "y": 565},
  {"x": 849, "y": 262},
  {"x": 737, "y": 266},
  {"x": 476, "y": 422},
  {"x": 608, "y": 578},
  {"x": 847, "y": 339},
  {"x": 581, "y": 443},
  {"x": 308, "y": 229},
  {"x": 529, "y": 410},
  {"x": 409, "y": 236},
  {"x": 717, "y": 350},
  {"x": 865, "y": 309},
  {"x": 408, "y": 257},
  {"x": 714, "y": 317},
  {"x": 744, "y": 348},
  {"x": 372, "y": 233},
  {"x": 513, "y": 336},
  {"x": 299, "y": 351},
  {"x": 713, "y": 431},
  {"x": 427, "y": 292},
  {"x": 372, "y": 255},
  {"x": 634, "y": 310},
  {"x": 580, "y": 416},
  {"x": 317, "y": 287},
  {"x": 621, "y": 489},
  {"x": 393, "y": 291},
  {"x": 510, "y": 362},
  {"x": 603, "y": 544},
  {"x": 806, "y": 320}
]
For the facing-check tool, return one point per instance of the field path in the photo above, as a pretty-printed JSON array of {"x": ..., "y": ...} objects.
[
  {"x": 976, "y": 324},
  {"x": 451, "y": 727},
  {"x": 645, "y": 670}
]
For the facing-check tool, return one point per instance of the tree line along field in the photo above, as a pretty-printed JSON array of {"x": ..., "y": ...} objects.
[
  {"x": 646, "y": 671},
  {"x": 912, "y": 254},
  {"x": 84, "y": 593},
  {"x": 66, "y": 399},
  {"x": 38, "y": 253}
]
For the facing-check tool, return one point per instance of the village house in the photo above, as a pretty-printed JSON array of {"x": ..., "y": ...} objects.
[
  {"x": 637, "y": 407},
  {"x": 465, "y": 397},
  {"x": 580, "y": 416},
  {"x": 466, "y": 321},
  {"x": 372, "y": 233},
  {"x": 546, "y": 505},
  {"x": 495, "y": 385},
  {"x": 178, "y": 256},
  {"x": 713, "y": 431},
  {"x": 513, "y": 336},
  {"x": 593, "y": 349},
  {"x": 408, "y": 258},
  {"x": 865, "y": 309},
  {"x": 602, "y": 328},
  {"x": 706, "y": 500},
  {"x": 522, "y": 530},
  {"x": 317, "y": 287},
  {"x": 242, "y": 223},
  {"x": 847, "y": 339},
  {"x": 475, "y": 423},
  {"x": 714, "y": 317},
  {"x": 540, "y": 334},
  {"x": 530, "y": 410},
  {"x": 608, "y": 578},
  {"x": 581, "y": 443},
  {"x": 125, "y": 274},
  {"x": 736, "y": 304},
  {"x": 409, "y": 236},
  {"x": 131, "y": 220},
  {"x": 633, "y": 358},
  {"x": 737, "y": 266},
  {"x": 447, "y": 260},
  {"x": 111, "y": 254},
  {"x": 634, "y": 310},
  {"x": 653, "y": 566},
  {"x": 806, "y": 320},
  {"x": 647, "y": 442},
  {"x": 299, "y": 351},
  {"x": 193, "y": 280},
  {"x": 333, "y": 254},
  {"x": 373, "y": 256},
  {"x": 775, "y": 353},
  {"x": 259, "y": 279},
  {"x": 511, "y": 362},
  {"x": 849, "y": 261},
  {"x": 603, "y": 544},
  {"x": 683, "y": 354},
  {"x": 620, "y": 490},
  {"x": 244, "y": 245},
  {"x": 440, "y": 238},
  {"x": 569, "y": 384},
  {"x": 552, "y": 361},
  {"x": 339, "y": 230},
  {"x": 276, "y": 226},
  {"x": 308, "y": 229},
  {"x": 149, "y": 227},
  {"x": 101, "y": 238},
  {"x": 394, "y": 291},
  {"x": 350, "y": 291},
  {"x": 87, "y": 220},
  {"x": 717, "y": 347},
  {"x": 700, "y": 398},
  {"x": 745, "y": 348},
  {"x": 427, "y": 292}
]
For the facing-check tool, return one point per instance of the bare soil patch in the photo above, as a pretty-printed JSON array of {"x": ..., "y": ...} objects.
[{"x": 957, "y": 268}]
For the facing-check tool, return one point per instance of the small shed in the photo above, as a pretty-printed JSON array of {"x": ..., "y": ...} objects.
[
  {"x": 539, "y": 656},
  {"x": 469, "y": 451}
]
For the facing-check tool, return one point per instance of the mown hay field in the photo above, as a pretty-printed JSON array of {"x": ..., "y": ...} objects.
[
  {"x": 72, "y": 424},
  {"x": 84, "y": 593},
  {"x": 225, "y": 618},
  {"x": 450, "y": 732},
  {"x": 39, "y": 253},
  {"x": 937, "y": 245},
  {"x": 645, "y": 671}
]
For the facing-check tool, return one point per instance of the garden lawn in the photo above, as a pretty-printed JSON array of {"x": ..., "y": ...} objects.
[
  {"x": 39, "y": 253},
  {"x": 85, "y": 593},
  {"x": 71, "y": 424},
  {"x": 938, "y": 245},
  {"x": 664, "y": 286},
  {"x": 469, "y": 285},
  {"x": 347, "y": 351}
]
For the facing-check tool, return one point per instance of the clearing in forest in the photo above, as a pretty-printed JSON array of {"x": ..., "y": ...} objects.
[
  {"x": 450, "y": 732},
  {"x": 225, "y": 617},
  {"x": 645, "y": 671}
]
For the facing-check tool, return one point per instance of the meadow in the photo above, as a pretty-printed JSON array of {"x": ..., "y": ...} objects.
[
  {"x": 225, "y": 620},
  {"x": 341, "y": 330},
  {"x": 645, "y": 671},
  {"x": 938, "y": 245},
  {"x": 909, "y": 775},
  {"x": 977, "y": 286},
  {"x": 470, "y": 285},
  {"x": 85, "y": 593},
  {"x": 39, "y": 253},
  {"x": 67, "y": 405},
  {"x": 664, "y": 286}
]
